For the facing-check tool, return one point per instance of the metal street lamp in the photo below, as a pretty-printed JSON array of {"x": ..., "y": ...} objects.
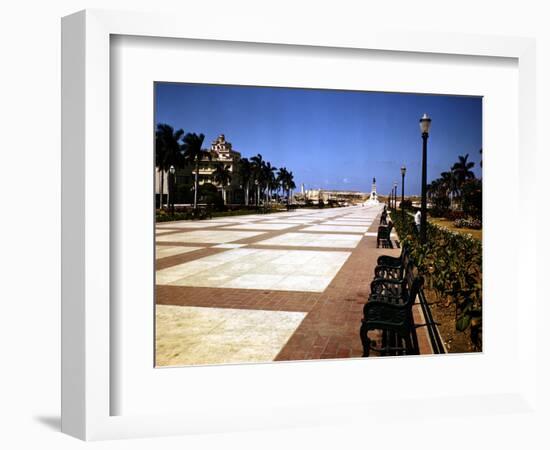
[
  {"x": 395, "y": 195},
  {"x": 403, "y": 171},
  {"x": 171, "y": 176},
  {"x": 425, "y": 123}
]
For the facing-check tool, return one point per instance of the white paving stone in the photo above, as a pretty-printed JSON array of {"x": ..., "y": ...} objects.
[
  {"x": 260, "y": 226},
  {"x": 163, "y": 251},
  {"x": 299, "y": 239},
  {"x": 247, "y": 268},
  {"x": 208, "y": 236},
  {"x": 191, "y": 224},
  {"x": 354, "y": 223},
  {"x": 187, "y": 335},
  {"x": 336, "y": 228},
  {"x": 293, "y": 222},
  {"x": 229, "y": 246}
]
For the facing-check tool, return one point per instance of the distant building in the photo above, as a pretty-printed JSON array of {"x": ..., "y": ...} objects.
[
  {"x": 221, "y": 152},
  {"x": 341, "y": 197}
]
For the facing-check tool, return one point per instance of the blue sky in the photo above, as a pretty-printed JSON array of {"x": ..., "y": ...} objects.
[{"x": 330, "y": 139}]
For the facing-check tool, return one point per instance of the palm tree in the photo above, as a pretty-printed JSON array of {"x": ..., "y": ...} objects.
[
  {"x": 258, "y": 174},
  {"x": 462, "y": 170},
  {"x": 168, "y": 152},
  {"x": 245, "y": 172},
  {"x": 281, "y": 178},
  {"x": 449, "y": 184},
  {"x": 286, "y": 180},
  {"x": 269, "y": 178},
  {"x": 194, "y": 154},
  {"x": 435, "y": 188},
  {"x": 290, "y": 185},
  {"x": 222, "y": 176}
]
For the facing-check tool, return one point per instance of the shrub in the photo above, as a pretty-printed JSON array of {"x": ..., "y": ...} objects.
[
  {"x": 209, "y": 194},
  {"x": 471, "y": 223},
  {"x": 183, "y": 193},
  {"x": 453, "y": 215},
  {"x": 451, "y": 264},
  {"x": 472, "y": 198},
  {"x": 441, "y": 205}
]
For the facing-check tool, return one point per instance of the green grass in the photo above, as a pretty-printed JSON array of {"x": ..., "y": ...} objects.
[{"x": 445, "y": 223}]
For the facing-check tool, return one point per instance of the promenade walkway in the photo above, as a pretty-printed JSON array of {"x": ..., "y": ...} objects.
[{"x": 257, "y": 288}]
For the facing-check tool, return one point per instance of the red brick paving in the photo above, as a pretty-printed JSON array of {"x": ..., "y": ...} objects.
[{"x": 331, "y": 326}]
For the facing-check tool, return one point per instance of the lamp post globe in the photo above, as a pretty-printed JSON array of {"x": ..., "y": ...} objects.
[{"x": 425, "y": 123}]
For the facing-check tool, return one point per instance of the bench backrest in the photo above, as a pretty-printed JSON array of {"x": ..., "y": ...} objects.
[
  {"x": 414, "y": 284},
  {"x": 383, "y": 232}
]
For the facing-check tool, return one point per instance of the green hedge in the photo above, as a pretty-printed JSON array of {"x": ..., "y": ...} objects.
[{"x": 451, "y": 264}]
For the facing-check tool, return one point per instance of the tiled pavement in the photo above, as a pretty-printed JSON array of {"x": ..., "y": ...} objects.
[{"x": 305, "y": 273}]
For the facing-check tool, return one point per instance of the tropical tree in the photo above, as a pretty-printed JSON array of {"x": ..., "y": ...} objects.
[
  {"x": 472, "y": 198},
  {"x": 245, "y": 172},
  {"x": 290, "y": 184},
  {"x": 462, "y": 170},
  {"x": 258, "y": 174},
  {"x": 222, "y": 176},
  {"x": 270, "y": 178},
  {"x": 286, "y": 180},
  {"x": 194, "y": 154},
  {"x": 438, "y": 194},
  {"x": 168, "y": 152},
  {"x": 449, "y": 185},
  {"x": 281, "y": 178}
]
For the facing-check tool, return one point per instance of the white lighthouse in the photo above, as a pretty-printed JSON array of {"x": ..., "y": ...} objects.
[{"x": 373, "y": 199}]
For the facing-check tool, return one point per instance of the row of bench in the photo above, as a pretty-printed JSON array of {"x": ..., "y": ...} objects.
[{"x": 394, "y": 289}]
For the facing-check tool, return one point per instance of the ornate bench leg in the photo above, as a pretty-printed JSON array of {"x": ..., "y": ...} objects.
[
  {"x": 384, "y": 343},
  {"x": 409, "y": 345},
  {"x": 365, "y": 340}
]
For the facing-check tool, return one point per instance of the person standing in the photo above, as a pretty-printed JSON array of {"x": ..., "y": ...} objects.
[{"x": 417, "y": 217}]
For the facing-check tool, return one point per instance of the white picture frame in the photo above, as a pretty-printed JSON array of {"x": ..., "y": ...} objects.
[{"x": 87, "y": 386}]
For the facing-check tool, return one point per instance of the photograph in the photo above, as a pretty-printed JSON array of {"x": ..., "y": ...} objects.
[{"x": 296, "y": 224}]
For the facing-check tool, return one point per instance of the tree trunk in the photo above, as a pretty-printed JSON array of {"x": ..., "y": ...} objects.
[
  {"x": 246, "y": 194},
  {"x": 196, "y": 185},
  {"x": 161, "y": 190}
]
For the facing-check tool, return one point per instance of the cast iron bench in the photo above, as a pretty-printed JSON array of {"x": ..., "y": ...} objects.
[
  {"x": 389, "y": 309},
  {"x": 384, "y": 236},
  {"x": 392, "y": 266}
]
